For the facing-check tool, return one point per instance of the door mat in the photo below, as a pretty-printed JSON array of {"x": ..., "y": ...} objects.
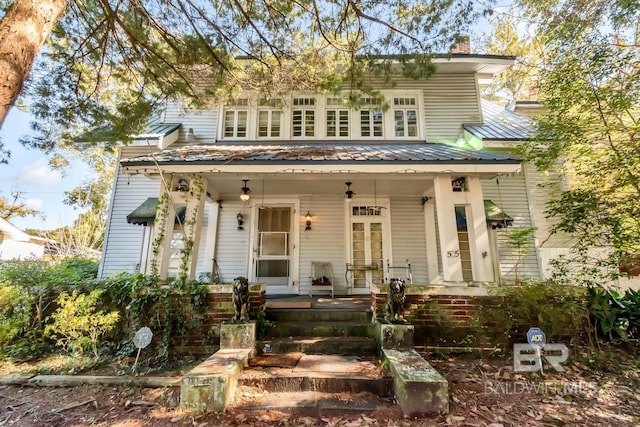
[{"x": 287, "y": 360}]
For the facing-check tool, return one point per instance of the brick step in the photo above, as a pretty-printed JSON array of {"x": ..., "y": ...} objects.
[
  {"x": 343, "y": 345},
  {"x": 314, "y": 404},
  {"x": 318, "y": 315},
  {"x": 321, "y": 329}
]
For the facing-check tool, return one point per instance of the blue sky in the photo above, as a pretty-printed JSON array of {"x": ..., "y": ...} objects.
[{"x": 28, "y": 172}]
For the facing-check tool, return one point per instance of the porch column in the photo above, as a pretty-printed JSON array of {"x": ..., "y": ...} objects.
[
  {"x": 447, "y": 228},
  {"x": 481, "y": 263},
  {"x": 193, "y": 220},
  {"x": 431, "y": 240},
  {"x": 162, "y": 234}
]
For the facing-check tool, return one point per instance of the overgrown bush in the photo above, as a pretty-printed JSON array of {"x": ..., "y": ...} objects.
[
  {"x": 15, "y": 313},
  {"x": 559, "y": 310},
  {"x": 77, "y": 324}
]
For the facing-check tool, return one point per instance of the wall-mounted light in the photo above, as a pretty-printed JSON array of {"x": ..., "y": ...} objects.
[
  {"x": 244, "y": 196},
  {"x": 349, "y": 193},
  {"x": 240, "y": 219},
  {"x": 307, "y": 220}
]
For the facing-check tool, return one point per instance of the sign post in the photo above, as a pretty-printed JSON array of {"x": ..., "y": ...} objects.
[
  {"x": 141, "y": 339},
  {"x": 537, "y": 339}
]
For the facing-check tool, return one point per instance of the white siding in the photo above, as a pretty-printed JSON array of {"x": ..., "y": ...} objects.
[
  {"x": 511, "y": 196},
  {"x": 232, "y": 248},
  {"x": 325, "y": 241},
  {"x": 205, "y": 233},
  {"x": 408, "y": 237},
  {"x": 449, "y": 101},
  {"x": 544, "y": 187},
  {"x": 123, "y": 241},
  {"x": 202, "y": 122}
]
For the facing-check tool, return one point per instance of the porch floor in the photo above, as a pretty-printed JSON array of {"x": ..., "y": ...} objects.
[{"x": 349, "y": 302}]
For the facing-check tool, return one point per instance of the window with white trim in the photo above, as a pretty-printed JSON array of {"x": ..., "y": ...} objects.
[
  {"x": 371, "y": 118},
  {"x": 405, "y": 117},
  {"x": 269, "y": 118},
  {"x": 337, "y": 118},
  {"x": 303, "y": 117},
  {"x": 236, "y": 119}
]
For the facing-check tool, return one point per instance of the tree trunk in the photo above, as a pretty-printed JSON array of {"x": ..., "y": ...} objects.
[{"x": 23, "y": 30}]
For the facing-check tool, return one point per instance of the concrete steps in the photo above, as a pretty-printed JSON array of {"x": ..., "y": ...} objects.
[
  {"x": 315, "y": 404},
  {"x": 322, "y": 373},
  {"x": 343, "y": 345}
]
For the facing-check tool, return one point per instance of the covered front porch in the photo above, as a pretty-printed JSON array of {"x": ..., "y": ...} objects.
[{"x": 282, "y": 221}]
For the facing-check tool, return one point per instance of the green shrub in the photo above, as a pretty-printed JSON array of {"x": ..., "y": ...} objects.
[
  {"x": 559, "y": 310},
  {"x": 15, "y": 313},
  {"x": 77, "y": 324},
  {"x": 613, "y": 315}
]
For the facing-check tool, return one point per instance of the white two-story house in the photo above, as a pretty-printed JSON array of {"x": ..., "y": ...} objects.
[{"x": 418, "y": 182}]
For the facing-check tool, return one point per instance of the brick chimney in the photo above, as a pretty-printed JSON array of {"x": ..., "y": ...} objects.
[{"x": 463, "y": 45}]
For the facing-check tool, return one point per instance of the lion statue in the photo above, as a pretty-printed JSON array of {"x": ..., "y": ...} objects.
[
  {"x": 240, "y": 299},
  {"x": 395, "y": 300}
]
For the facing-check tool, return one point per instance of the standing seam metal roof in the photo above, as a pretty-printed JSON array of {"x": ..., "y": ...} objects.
[{"x": 501, "y": 125}]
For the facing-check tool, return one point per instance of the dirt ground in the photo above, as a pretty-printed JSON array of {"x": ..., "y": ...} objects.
[{"x": 483, "y": 392}]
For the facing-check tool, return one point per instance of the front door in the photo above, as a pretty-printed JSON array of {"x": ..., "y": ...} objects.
[
  {"x": 368, "y": 247},
  {"x": 274, "y": 248}
]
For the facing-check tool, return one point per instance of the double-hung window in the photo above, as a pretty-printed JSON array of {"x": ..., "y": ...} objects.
[
  {"x": 405, "y": 117},
  {"x": 236, "y": 119},
  {"x": 337, "y": 118},
  {"x": 303, "y": 117},
  {"x": 269, "y": 118},
  {"x": 371, "y": 118}
]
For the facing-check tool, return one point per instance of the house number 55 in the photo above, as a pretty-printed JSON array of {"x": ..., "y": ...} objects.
[{"x": 453, "y": 254}]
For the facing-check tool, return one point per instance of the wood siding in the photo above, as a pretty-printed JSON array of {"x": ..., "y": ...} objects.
[
  {"x": 232, "y": 247},
  {"x": 408, "y": 238},
  {"x": 202, "y": 122},
  {"x": 511, "y": 196},
  {"x": 325, "y": 241},
  {"x": 123, "y": 241}
]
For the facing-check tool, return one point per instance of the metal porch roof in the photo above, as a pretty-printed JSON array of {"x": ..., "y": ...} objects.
[
  {"x": 501, "y": 125},
  {"x": 321, "y": 152}
]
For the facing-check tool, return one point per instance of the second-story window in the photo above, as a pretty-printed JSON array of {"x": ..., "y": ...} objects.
[
  {"x": 337, "y": 118},
  {"x": 236, "y": 117},
  {"x": 371, "y": 118},
  {"x": 303, "y": 117},
  {"x": 269, "y": 118},
  {"x": 405, "y": 117}
]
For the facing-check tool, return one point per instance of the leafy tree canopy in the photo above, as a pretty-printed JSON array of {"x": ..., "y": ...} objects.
[{"x": 108, "y": 65}]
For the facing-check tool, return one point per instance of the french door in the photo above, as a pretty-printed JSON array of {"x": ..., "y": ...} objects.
[{"x": 369, "y": 238}]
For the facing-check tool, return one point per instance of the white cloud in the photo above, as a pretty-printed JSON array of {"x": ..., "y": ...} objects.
[
  {"x": 34, "y": 203},
  {"x": 40, "y": 174}
]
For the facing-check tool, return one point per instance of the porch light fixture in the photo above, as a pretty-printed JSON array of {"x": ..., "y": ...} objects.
[
  {"x": 349, "y": 193},
  {"x": 240, "y": 219},
  {"x": 307, "y": 219},
  {"x": 244, "y": 196}
]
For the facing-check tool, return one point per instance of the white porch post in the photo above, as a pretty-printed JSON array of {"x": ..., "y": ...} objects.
[
  {"x": 162, "y": 233},
  {"x": 449, "y": 247},
  {"x": 479, "y": 235},
  {"x": 212, "y": 231},
  {"x": 193, "y": 220},
  {"x": 431, "y": 240}
]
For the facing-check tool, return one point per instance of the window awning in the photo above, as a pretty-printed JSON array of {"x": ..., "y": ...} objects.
[
  {"x": 496, "y": 217},
  {"x": 146, "y": 213}
]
